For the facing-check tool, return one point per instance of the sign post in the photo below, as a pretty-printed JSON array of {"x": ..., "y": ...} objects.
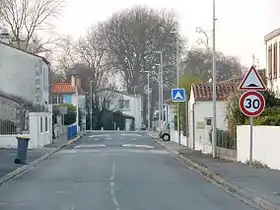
[
  {"x": 252, "y": 103},
  {"x": 178, "y": 95}
]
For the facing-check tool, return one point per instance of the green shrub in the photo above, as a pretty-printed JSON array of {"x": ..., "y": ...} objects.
[{"x": 270, "y": 116}]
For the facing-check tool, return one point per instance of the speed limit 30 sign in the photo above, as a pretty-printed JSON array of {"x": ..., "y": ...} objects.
[{"x": 252, "y": 103}]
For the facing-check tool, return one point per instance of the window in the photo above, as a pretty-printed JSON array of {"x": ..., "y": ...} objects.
[
  {"x": 269, "y": 62},
  {"x": 121, "y": 103},
  {"x": 46, "y": 124},
  {"x": 208, "y": 121},
  {"x": 124, "y": 104},
  {"x": 57, "y": 99},
  {"x": 41, "y": 125},
  {"x": 275, "y": 61}
]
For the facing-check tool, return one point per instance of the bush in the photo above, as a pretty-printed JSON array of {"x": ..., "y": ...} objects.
[{"x": 270, "y": 116}]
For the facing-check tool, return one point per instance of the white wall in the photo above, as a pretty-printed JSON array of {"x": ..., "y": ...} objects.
[
  {"x": 266, "y": 144},
  {"x": 18, "y": 74},
  {"x": 198, "y": 129},
  {"x": 40, "y": 132}
]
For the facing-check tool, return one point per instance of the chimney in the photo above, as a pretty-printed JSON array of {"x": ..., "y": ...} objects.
[
  {"x": 78, "y": 81},
  {"x": 5, "y": 36},
  {"x": 73, "y": 80}
]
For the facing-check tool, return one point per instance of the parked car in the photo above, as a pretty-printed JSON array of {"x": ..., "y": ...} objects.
[{"x": 164, "y": 132}]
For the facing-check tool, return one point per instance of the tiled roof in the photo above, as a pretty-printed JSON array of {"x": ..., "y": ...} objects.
[
  {"x": 203, "y": 91},
  {"x": 65, "y": 88}
]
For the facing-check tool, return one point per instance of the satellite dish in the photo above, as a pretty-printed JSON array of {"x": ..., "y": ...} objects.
[{"x": 210, "y": 80}]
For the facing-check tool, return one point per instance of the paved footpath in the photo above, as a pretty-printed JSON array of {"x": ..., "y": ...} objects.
[
  {"x": 259, "y": 184},
  {"x": 7, "y": 156}
]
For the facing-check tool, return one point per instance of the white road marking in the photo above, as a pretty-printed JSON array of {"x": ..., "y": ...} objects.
[
  {"x": 137, "y": 145},
  {"x": 96, "y": 139},
  {"x": 108, "y": 138},
  {"x": 120, "y": 151},
  {"x": 99, "y": 135},
  {"x": 133, "y": 139},
  {"x": 89, "y": 146},
  {"x": 4, "y": 203},
  {"x": 112, "y": 186},
  {"x": 130, "y": 134},
  {"x": 121, "y": 138}
]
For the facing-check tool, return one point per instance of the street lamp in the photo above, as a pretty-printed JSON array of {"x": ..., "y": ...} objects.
[
  {"x": 199, "y": 30},
  {"x": 178, "y": 84},
  {"x": 161, "y": 85},
  {"x": 148, "y": 75},
  {"x": 159, "y": 90},
  {"x": 214, "y": 138},
  {"x": 134, "y": 107}
]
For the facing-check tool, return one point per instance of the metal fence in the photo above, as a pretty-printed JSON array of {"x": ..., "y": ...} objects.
[
  {"x": 225, "y": 139},
  {"x": 8, "y": 117}
]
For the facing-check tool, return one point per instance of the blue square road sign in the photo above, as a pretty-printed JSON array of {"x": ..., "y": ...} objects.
[{"x": 178, "y": 95}]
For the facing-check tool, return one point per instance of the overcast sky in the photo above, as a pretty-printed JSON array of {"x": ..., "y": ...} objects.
[{"x": 241, "y": 25}]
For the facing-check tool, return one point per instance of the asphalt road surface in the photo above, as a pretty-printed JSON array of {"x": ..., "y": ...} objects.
[{"x": 114, "y": 171}]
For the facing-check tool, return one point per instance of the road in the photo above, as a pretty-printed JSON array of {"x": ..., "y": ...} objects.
[{"x": 114, "y": 171}]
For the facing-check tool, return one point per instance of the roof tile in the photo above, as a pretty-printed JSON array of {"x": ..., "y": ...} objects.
[{"x": 65, "y": 88}]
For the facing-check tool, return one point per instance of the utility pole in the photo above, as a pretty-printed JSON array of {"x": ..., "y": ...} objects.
[
  {"x": 178, "y": 84},
  {"x": 149, "y": 111},
  {"x": 161, "y": 90},
  {"x": 91, "y": 103},
  {"x": 134, "y": 107},
  {"x": 214, "y": 137}
]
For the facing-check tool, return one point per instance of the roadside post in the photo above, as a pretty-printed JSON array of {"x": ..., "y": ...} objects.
[
  {"x": 178, "y": 95},
  {"x": 252, "y": 102}
]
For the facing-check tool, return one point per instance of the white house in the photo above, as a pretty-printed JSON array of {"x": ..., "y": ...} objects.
[
  {"x": 24, "y": 75},
  {"x": 70, "y": 93},
  {"x": 272, "y": 43},
  {"x": 129, "y": 104},
  {"x": 201, "y": 113}
]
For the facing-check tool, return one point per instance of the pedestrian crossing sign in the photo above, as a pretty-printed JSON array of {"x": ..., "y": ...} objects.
[{"x": 178, "y": 95}]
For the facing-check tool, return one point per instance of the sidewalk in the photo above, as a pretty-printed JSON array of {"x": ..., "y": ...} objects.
[
  {"x": 263, "y": 184},
  {"x": 7, "y": 156}
]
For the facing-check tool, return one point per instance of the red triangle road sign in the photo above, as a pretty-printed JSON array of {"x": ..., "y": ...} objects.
[{"x": 252, "y": 81}]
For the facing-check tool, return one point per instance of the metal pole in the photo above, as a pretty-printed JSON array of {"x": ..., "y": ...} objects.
[
  {"x": 214, "y": 137},
  {"x": 91, "y": 99},
  {"x": 149, "y": 101},
  {"x": 159, "y": 113},
  {"x": 134, "y": 107},
  {"x": 161, "y": 84},
  {"x": 251, "y": 141},
  {"x": 178, "y": 84}
]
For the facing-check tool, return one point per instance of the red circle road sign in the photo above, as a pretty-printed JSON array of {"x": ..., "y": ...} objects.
[{"x": 252, "y": 103}]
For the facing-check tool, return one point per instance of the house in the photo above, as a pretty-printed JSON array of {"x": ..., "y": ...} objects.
[
  {"x": 128, "y": 104},
  {"x": 201, "y": 112},
  {"x": 272, "y": 51},
  {"x": 24, "y": 75},
  {"x": 70, "y": 93}
]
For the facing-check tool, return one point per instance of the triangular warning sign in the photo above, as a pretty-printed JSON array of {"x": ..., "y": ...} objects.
[
  {"x": 252, "y": 81},
  {"x": 178, "y": 96}
]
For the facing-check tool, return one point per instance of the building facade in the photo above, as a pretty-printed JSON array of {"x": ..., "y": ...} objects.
[
  {"x": 24, "y": 75},
  {"x": 272, "y": 46}
]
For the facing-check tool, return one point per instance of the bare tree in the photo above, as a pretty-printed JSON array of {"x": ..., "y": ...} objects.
[
  {"x": 132, "y": 38},
  {"x": 23, "y": 18}
]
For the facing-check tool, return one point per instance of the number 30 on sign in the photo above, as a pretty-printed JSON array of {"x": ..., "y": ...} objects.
[{"x": 252, "y": 103}]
